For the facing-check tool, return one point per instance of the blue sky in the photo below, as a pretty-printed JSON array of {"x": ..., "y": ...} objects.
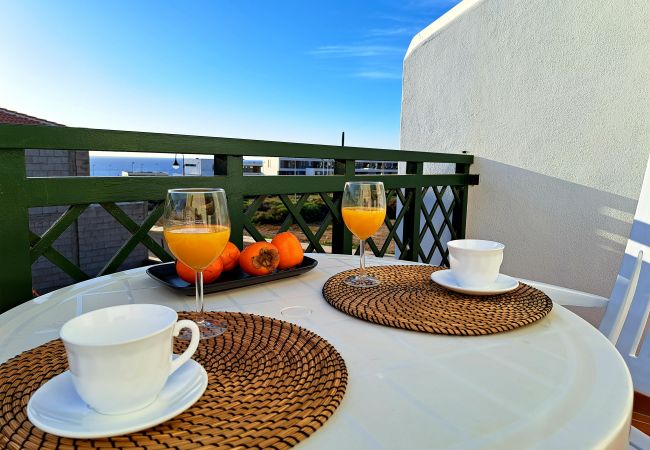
[{"x": 299, "y": 71}]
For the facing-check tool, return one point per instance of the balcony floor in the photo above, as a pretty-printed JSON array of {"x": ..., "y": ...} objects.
[{"x": 641, "y": 412}]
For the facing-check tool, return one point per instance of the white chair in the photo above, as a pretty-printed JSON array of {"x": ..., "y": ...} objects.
[
  {"x": 626, "y": 314},
  {"x": 638, "y": 440},
  {"x": 623, "y": 329},
  {"x": 617, "y": 307}
]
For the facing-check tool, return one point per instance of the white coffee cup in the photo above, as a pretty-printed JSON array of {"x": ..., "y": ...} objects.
[
  {"x": 120, "y": 357},
  {"x": 475, "y": 263}
]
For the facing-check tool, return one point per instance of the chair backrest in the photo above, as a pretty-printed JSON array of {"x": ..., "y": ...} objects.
[
  {"x": 626, "y": 319},
  {"x": 625, "y": 303}
]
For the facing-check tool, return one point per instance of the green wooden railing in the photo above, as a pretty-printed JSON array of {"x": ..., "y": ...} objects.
[{"x": 20, "y": 247}]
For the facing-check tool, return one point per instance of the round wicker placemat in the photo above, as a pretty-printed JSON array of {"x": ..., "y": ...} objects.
[
  {"x": 271, "y": 385},
  {"x": 408, "y": 298}
]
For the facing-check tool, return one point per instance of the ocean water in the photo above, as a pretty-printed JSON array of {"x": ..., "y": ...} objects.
[{"x": 113, "y": 166}]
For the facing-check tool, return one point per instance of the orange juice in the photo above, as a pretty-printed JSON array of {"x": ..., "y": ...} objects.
[
  {"x": 363, "y": 222},
  {"x": 197, "y": 245}
]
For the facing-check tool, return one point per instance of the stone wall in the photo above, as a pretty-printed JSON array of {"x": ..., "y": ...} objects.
[
  {"x": 89, "y": 242},
  {"x": 93, "y": 239},
  {"x": 56, "y": 163},
  {"x": 45, "y": 275},
  {"x": 101, "y": 236}
]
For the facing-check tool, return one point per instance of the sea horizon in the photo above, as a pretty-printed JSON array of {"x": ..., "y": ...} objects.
[{"x": 114, "y": 166}]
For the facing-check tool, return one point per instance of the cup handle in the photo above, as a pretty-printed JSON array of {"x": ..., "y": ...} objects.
[{"x": 194, "y": 343}]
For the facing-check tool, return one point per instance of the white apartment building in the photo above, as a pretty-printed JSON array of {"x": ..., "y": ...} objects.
[{"x": 316, "y": 166}]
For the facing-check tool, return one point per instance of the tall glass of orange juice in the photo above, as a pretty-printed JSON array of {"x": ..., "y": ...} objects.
[
  {"x": 363, "y": 209},
  {"x": 196, "y": 227}
]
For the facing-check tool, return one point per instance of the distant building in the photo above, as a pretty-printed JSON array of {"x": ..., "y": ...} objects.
[
  {"x": 95, "y": 237},
  {"x": 205, "y": 167},
  {"x": 12, "y": 117},
  {"x": 144, "y": 174},
  {"x": 305, "y": 166},
  {"x": 270, "y": 165},
  {"x": 376, "y": 167},
  {"x": 316, "y": 166},
  {"x": 253, "y": 167},
  {"x": 192, "y": 167},
  {"x": 49, "y": 163}
]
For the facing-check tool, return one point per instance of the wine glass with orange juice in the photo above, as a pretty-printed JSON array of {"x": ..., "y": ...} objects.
[
  {"x": 364, "y": 210},
  {"x": 196, "y": 227}
]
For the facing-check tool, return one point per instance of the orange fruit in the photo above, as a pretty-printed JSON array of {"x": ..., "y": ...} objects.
[
  {"x": 261, "y": 258},
  {"x": 289, "y": 249},
  {"x": 210, "y": 274},
  {"x": 230, "y": 256}
]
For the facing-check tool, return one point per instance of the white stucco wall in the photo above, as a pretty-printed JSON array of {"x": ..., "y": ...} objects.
[
  {"x": 270, "y": 165},
  {"x": 553, "y": 98}
]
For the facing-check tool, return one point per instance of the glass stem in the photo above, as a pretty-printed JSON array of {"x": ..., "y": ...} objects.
[
  {"x": 198, "y": 281},
  {"x": 362, "y": 259}
]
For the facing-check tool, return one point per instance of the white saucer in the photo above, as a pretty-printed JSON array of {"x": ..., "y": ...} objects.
[
  {"x": 503, "y": 284},
  {"x": 57, "y": 408}
]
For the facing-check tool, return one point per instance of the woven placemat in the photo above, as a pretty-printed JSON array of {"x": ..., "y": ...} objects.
[
  {"x": 271, "y": 385},
  {"x": 408, "y": 298}
]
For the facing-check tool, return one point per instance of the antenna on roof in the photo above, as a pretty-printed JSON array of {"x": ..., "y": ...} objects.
[{"x": 342, "y": 138}]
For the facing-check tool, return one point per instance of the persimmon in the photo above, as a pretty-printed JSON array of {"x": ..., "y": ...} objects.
[
  {"x": 230, "y": 256},
  {"x": 260, "y": 258},
  {"x": 289, "y": 249},
  {"x": 210, "y": 273}
]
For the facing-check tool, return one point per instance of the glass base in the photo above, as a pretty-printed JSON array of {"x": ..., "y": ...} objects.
[
  {"x": 362, "y": 281},
  {"x": 208, "y": 330}
]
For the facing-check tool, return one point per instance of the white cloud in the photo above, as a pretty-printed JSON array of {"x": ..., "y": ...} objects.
[
  {"x": 356, "y": 50},
  {"x": 394, "y": 31},
  {"x": 379, "y": 75}
]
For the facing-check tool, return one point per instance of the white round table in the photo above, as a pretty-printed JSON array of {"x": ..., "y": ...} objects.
[{"x": 555, "y": 384}]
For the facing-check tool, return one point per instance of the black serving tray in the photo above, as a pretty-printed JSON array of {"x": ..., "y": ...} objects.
[{"x": 233, "y": 279}]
